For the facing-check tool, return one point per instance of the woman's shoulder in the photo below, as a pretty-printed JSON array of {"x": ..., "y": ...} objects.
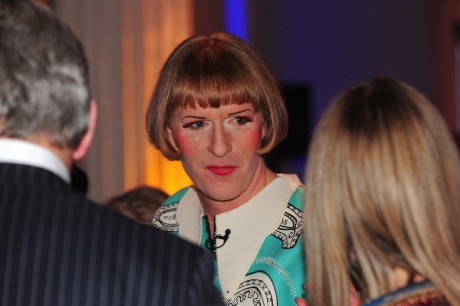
[
  {"x": 293, "y": 179},
  {"x": 296, "y": 198},
  {"x": 176, "y": 197},
  {"x": 165, "y": 216},
  {"x": 418, "y": 294}
]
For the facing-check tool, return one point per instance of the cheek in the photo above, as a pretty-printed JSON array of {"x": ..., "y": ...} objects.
[
  {"x": 254, "y": 139},
  {"x": 185, "y": 142}
]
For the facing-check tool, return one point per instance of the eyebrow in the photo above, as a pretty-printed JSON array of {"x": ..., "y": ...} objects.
[
  {"x": 229, "y": 114},
  {"x": 241, "y": 111},
  {"x": 194, "y": 117}
]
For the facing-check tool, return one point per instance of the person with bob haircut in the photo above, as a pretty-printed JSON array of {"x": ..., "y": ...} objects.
[
  {"x": 382, "y": 200},
  {"x": 218, "y": 110}
]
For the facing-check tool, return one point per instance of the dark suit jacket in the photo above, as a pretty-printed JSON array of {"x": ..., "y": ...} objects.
[{"x": 57, "y": 248}]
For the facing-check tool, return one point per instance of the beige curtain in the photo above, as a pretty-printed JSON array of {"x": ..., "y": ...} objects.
[{"x": 127, "y": 42}]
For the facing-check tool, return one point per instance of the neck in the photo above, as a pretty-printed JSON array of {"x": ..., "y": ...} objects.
[
  {"x": 65, "y": 154},
  {"x": 403, "y": 277},
  {"x": 211, "y": 208}
]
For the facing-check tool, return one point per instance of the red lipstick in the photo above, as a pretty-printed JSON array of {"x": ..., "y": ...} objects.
[{"x": 221, "y": 170}]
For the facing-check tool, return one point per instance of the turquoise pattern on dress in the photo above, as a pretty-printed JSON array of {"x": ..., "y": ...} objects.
[{"x": 277, "y": 274}]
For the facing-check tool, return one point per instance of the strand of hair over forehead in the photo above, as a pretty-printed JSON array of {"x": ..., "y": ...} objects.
[
  {"x": 214, "y": 95},
  {"x": 211, "y": 87}
]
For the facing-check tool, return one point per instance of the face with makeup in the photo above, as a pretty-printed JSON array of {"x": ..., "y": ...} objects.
[{"x": 219, "y": 150}]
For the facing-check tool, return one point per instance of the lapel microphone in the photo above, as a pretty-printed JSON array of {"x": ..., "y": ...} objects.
[{"x": 218, "y": 242}]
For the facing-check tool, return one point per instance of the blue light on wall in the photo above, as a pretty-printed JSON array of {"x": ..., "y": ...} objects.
[{"x": 236, "y": 18}]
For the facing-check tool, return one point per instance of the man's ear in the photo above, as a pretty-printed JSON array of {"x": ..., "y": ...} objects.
[
  {"x": 264, "y": 130},
  {"x": 171, "y": 140},
  {"x": 85, "y": 142}
]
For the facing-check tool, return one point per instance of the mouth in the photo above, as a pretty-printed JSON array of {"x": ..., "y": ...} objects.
[{"x": 222, "y": 170}]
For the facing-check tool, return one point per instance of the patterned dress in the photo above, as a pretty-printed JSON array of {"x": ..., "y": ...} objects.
[
  {"x": 257, "y": 247},
  {"x": 416, "y": 294}
]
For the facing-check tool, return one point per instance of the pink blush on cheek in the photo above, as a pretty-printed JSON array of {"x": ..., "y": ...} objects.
[
  {"x": 183, "y": 142},
  {"x": 255, "y": 139}
]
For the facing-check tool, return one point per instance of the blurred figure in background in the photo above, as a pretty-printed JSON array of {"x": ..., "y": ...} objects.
[
  {"x": 139, "y": 204},
  {"x": 382, "y": 200}
]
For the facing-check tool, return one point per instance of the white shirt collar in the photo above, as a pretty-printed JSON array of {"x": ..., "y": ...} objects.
[
  {"x": 257, "y": 219},
  {"x": 26, "y": 153}
]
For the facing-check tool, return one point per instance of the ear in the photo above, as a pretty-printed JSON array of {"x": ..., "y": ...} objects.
[
  {"x": 171, "y": 140},
  {"x": 264, "y": 130},
  {"x": 85, "y": 142}
]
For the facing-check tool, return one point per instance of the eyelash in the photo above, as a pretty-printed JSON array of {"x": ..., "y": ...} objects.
[
  {"x": 246, "y": 119},
  {"x": 193, "y": 124}
]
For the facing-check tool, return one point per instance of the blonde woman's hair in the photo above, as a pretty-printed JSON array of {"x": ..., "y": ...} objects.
[{"x": 382, "y": 191}]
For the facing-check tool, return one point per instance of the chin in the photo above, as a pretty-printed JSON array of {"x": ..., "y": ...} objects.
[{"x": 223, "y": 196}]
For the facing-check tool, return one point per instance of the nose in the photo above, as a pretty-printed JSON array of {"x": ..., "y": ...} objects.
[{"x": 220, "y": 144}]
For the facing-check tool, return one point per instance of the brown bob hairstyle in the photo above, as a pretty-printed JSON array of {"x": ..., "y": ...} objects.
[{"x": 214, "y": 70}]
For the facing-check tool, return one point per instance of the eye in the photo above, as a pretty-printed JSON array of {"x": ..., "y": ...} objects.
[
  {"x": 193, "y": 124},
  {"x": 242, "y": 120}
]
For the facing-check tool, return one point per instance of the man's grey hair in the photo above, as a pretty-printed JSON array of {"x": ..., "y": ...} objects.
[{"x": 44, "y": 82}]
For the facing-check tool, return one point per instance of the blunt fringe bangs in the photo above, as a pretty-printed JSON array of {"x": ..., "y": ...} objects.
[{"x": 211, "y": 71}]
